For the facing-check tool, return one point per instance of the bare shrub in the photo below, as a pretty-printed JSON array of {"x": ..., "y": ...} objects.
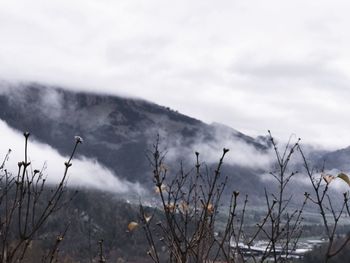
[
  {"x": 26, "y": 203},
  {"x": 190, "y": 202},
  {"x": 331, "y": 207}
]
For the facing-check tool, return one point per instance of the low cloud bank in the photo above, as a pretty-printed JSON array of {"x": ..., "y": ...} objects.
[
  {"x": 242, "y": 153},
  {"x": 84, "y": 173}
]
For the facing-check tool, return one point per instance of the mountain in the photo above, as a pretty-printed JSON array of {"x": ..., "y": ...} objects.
[
  {"x": 339, "y": 159},
  {"x": 117, "y": 131}
]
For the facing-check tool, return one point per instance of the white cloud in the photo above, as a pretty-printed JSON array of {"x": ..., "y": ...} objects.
[
  {"x": 85, "y": 172},
  {"x": 254, "y": 65},
  {"x": 241, "y": 152}
]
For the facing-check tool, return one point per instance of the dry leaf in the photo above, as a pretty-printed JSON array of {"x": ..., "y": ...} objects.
[
  {"x": 183, "y": 207},
  {"x": 157, "y": 189},
  {"x": 210, "y": 208},
  {"x": 132, "y": 226},
  {"x": 147, "y": 218},
  {"x": 344, "y": 177},
  {"x": 328, "y": 178},
  {"x": 170, "y": 208}
]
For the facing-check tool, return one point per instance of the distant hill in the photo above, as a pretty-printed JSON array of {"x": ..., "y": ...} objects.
[{"x": 119, "y": 131}]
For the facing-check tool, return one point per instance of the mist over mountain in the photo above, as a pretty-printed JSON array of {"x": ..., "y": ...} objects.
[{"x": 118, "y": 132}]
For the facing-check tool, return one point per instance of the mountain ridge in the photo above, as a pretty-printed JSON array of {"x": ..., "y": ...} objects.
[
  {"x": 116, "y": 130},
  {"x": 119, "y": 131}
]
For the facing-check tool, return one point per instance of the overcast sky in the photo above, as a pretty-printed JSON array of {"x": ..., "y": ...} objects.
[{"x": 251, "y": 64}]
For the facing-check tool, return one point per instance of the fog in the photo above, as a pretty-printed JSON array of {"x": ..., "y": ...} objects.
[
  {"x": 84, "y": 173},
  {"x": 241, "y": 152}
]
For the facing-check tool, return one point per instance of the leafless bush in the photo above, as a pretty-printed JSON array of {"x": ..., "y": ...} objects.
[
  {"x": 26, "y": 204},
  {"x": 190, "y": 202},
  {"x": 281, "y": 226},
  {"x": 328, "y": 205}
]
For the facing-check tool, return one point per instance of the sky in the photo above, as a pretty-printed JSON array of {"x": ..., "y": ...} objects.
[{"x": 253, "y": 65}]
